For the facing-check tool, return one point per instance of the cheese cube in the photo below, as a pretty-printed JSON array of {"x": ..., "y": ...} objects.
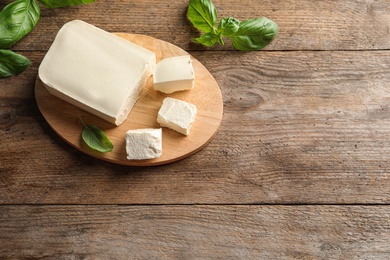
[
  {"x": 143, "y": 143},
  {"x": 96, "y": 71},
  {"x": 177, "y": 115},
  {"x": 174, "y": 74}
]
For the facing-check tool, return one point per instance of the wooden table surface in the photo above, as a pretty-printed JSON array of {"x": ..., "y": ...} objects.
[{"x": 300, "y": 168}]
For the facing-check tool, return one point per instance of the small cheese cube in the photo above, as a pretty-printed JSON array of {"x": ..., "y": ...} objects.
[
  {"x": 143, "y": 143},
  {"x": 174, "y": 74},
  {"x": 96, "y": 71},
  {"x": 177, "y": 115}
]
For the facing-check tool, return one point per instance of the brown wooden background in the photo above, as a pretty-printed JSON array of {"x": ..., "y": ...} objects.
[{"x": 300, "y": 168}]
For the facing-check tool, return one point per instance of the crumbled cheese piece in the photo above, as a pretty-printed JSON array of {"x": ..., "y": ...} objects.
[
  {"x": 177, "y": 115},
  {"x": 144, "y": 143},
  {"x": 96, "y": 70},
  {"x": 174, "y": 74}
]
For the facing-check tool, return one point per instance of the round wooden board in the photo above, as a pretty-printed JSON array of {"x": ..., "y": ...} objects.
[{"x": 206, "y": 95}]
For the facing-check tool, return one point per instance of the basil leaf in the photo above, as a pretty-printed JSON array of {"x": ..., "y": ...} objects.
[
  {"x": 203, "y": 15},
  {"x": 254, "y": 34},
  {"x": 96, "y": 139},
  {"x": 228, "y": 26},
  {"x": 208, "y": 39},
  {"x": 64, "y": 3},
  {"x": 16, "y": 20},
  {"x": 12, "y": 63}
]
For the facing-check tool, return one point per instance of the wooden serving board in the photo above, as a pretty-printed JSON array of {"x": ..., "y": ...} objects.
[{"x": 206, "y": 95}]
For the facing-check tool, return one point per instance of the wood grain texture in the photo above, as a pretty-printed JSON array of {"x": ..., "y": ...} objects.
[
  {"x": 298, "y": 127},
  {"x": 300, "y": 168},
  {"x": 304, "y": 24},
  {"x": 194, "y": 232}
]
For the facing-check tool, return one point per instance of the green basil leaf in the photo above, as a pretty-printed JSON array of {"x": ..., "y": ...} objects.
[
  {"x": 96, "y": 139},
  {"x": 16, "y": 20},
  {"x": 203, "y": 15},
  {"x": 12, "y": 63},
  {"x": 228, "y": 26},
  {"x": 64, "y": 3},
  {"x": 208, "y": 39},
  {"x": 254, "y": 34}
]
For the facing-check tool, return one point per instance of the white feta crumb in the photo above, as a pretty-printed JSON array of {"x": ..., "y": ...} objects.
[
  {"x": 144, "y": 143},
  {"x": 177, "y": 115}
]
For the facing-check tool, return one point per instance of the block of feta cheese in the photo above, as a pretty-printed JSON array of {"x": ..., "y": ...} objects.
[
  {"x": 177, "y": 115},
  {"x": 96, "y": 71},
  {"x": 174, "y": 74},
  {"x": 144, "y": 143}
]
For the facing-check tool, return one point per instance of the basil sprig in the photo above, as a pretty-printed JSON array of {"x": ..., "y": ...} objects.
[
  {"x": 96, "y": 139},
  {"x": 18, "y": 19},
  {"x": 248, "y": 35}
]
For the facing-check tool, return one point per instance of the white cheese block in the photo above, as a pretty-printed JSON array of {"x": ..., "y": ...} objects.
[
  {"x": 174, "y": 74},
  {"x": 96, "y": 70},
  {"x": 177, "y": 115},
  {"x": 143, "y": 143}
]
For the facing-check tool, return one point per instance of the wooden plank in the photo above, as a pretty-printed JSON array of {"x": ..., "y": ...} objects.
[
  {"x": 298, "y": 127},
  {"x": 304, "y": 24},
  {"x": 305, "y": 122},
  {"x": 194, "y": 232}
]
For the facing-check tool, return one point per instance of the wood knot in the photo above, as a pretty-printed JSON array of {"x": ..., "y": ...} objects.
[
  {"x": 6, "y": 119},
  {"x": 245, "y": 101}
]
